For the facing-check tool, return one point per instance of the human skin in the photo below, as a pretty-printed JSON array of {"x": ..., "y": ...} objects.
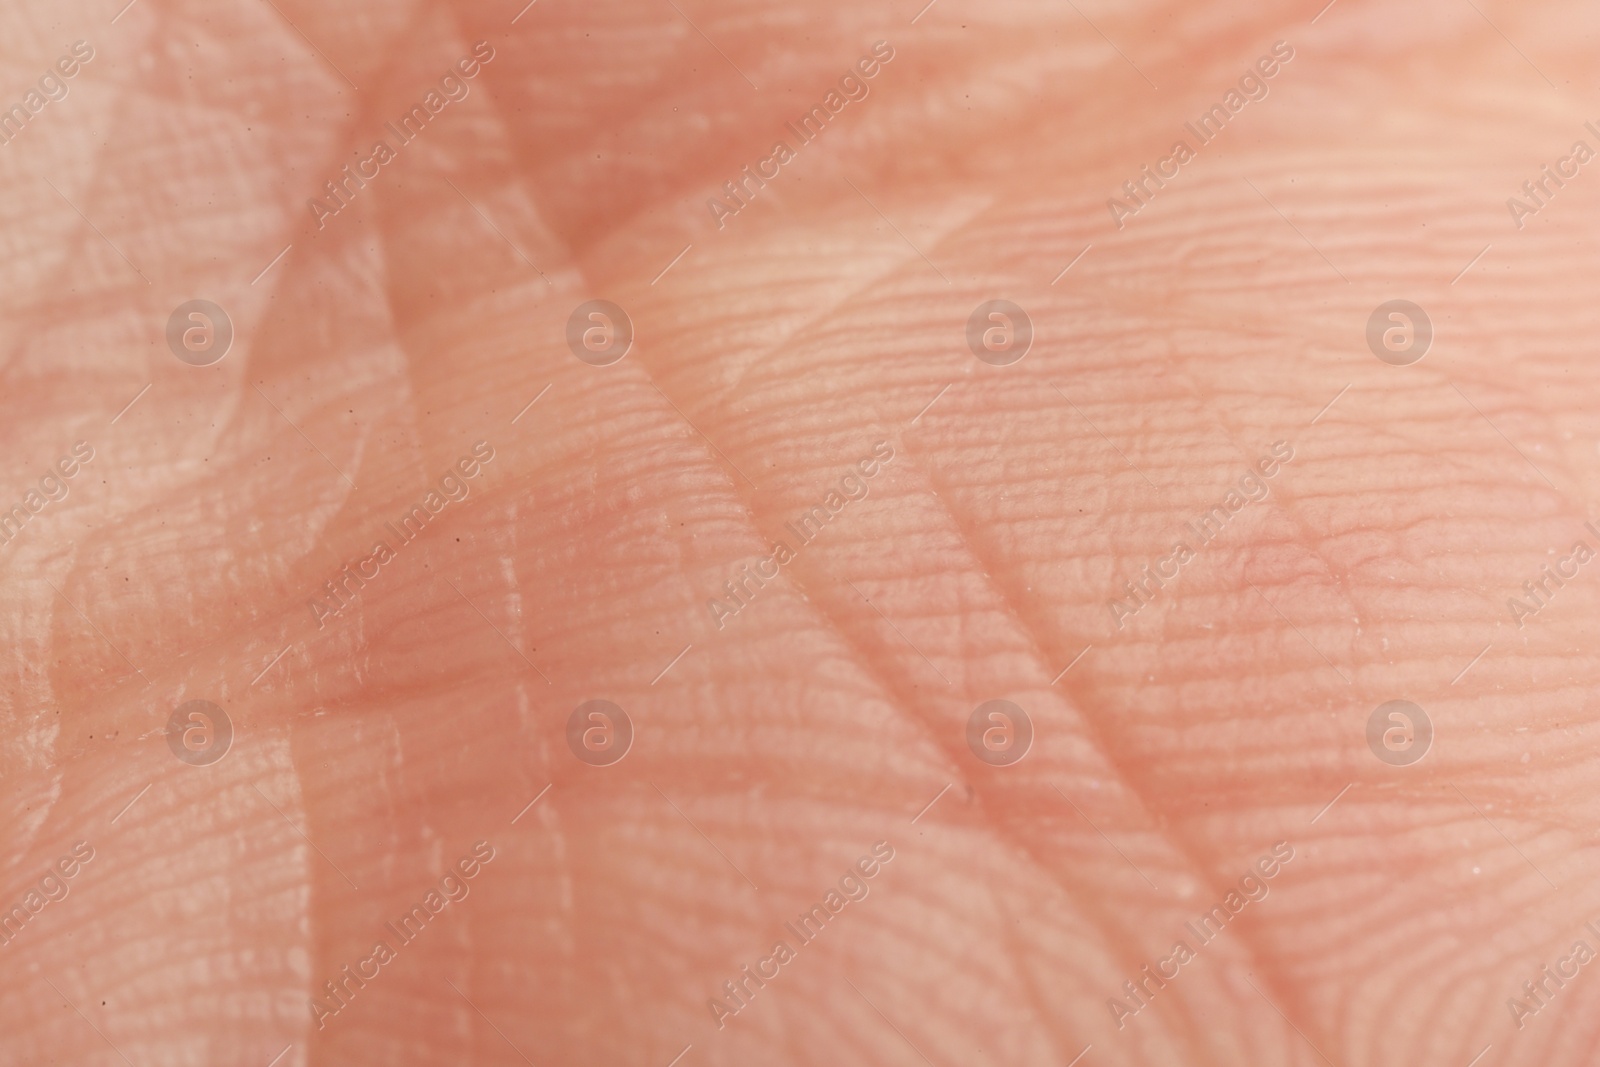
[{"x": 775, "y": 749}]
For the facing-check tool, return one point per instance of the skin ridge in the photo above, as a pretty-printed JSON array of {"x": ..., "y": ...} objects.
[
  {"x": 1059, "y": 1035},
  {"x": 1291, "y": 507},
  {"x": 989, "y": 566},
  {"x": 1094, "y": 731},
  {"x": 985, "y": 565},
  {"x": 906, "y": 698},
  {"x": 127, "y": 689}
]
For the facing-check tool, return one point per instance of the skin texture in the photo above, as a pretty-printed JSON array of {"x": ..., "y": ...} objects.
[{"x": 775, "y": 750}]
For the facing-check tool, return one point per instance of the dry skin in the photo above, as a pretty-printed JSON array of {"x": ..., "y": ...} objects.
[{"x": 954, "y": 530}]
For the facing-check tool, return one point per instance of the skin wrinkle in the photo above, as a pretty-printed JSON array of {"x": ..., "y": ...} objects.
[
  {"x": 1060, "y": 1038},
  {"x": 989, "y": 984},
  {"x": 1011, "y": 600},
  {"x": 483, "y": 1041},
  {"x": 1187, "y": 853},
  {"x": 999, "y": 112},
  {"x": 900, "y": 685},
  {"x": 806, "y": 326}
]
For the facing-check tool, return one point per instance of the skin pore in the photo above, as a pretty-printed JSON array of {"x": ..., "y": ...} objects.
[{"x": 1225, "y": 720}]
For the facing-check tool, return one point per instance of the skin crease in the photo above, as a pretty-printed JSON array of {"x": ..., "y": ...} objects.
[{"x": 1223, "y": 718}]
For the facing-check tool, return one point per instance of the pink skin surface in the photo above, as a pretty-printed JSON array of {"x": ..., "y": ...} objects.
[{"x": 799, "y": 513}]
